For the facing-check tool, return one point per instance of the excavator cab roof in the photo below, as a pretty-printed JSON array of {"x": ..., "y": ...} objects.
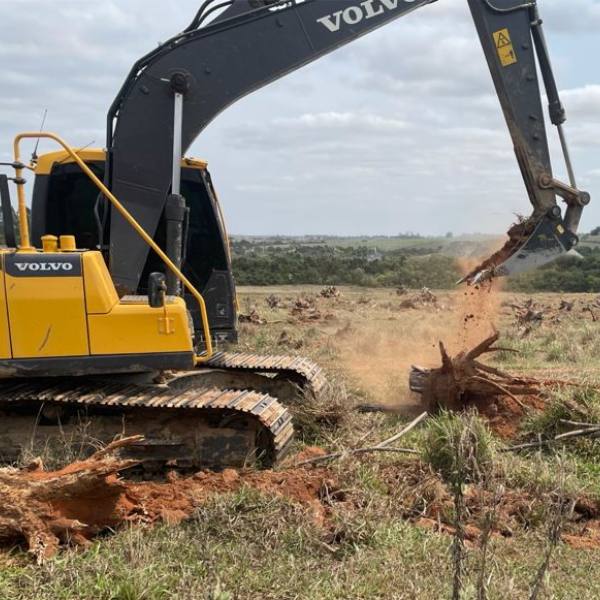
[{"x": 46, "y": 162}]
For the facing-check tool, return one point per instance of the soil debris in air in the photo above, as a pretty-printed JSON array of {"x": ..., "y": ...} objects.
[{"x": 518, "y": 234}]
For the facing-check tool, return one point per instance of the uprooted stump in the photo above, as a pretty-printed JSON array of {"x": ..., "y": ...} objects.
[
  {"x": 253, "y": 318},
  {"x": 463, "y": 380},
  {"x": 44, "y": 509}
]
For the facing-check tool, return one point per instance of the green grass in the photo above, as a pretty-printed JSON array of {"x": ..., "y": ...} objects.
[
  {"x": 250, "y": 546},
  {"x": 247, "y": 545}
]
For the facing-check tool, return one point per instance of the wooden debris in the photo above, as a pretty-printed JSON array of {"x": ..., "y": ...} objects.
[
  {"x": 381, "y": 447},
  {"x": 305, "y": 309},
  {"x": 566, "y": 305},
  {"x": 252, "y": 317},
  {"x": 330, "y": 292},
  {"x": 274, "y": 302},
  {"x": 592, "y": 313},
  {"x": 463, "y": 380},
  {"x": 352, "y": 452},
  {"x": 43, "y": 509},
  {"x": 591, "y": 431},
  {"x": 404, "y": 431}
]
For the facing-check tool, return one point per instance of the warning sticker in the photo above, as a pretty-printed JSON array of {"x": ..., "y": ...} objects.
[{"x": 505, "y": 48}]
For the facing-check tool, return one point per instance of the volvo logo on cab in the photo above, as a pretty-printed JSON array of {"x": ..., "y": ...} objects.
[
  {"x": 42, "y": 265},
  {"x": 356, "y": 13},
  {"x": 45, "y": 266}
]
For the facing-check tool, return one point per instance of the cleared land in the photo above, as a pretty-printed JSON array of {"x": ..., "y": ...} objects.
[{"x": 378, "y": 525}]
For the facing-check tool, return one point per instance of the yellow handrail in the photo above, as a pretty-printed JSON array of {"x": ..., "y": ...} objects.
[{"x": 26, "y": 244}]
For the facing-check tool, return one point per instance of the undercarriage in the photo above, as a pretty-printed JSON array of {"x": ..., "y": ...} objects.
[{"x": 231, "y": 413}]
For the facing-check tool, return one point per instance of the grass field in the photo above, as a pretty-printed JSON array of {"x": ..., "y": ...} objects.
[{"x": 373, "y": 537}]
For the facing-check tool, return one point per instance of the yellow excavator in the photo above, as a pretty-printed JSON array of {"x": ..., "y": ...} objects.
[{"x": 117, "y": 297}]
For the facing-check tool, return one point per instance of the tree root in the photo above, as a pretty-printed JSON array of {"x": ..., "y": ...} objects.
[
  {"x": 44, "y": 509},
  {"x": 464, "y": 380}
]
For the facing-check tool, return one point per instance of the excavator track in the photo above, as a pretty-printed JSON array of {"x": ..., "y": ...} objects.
[
  {"x": 303, "y": 372},
  {"x": 227, "y": 413},
  {"x": 184, "y": 424}
]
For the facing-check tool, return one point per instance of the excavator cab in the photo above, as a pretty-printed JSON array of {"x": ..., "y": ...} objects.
[
  {"x": 61, "y": 312},
  {"x": 65, "y": 202},
  {"x": 74, "y": 352}
]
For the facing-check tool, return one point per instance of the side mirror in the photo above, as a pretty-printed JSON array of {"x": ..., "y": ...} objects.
[{"x": 157, "y": 290}]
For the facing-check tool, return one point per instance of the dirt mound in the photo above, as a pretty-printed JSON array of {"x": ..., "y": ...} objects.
[
  {"x": 423, "y": 299},
  {"x": 176, "y": 500},
  {"x": 46, "y": 509},
  {"x": 428, "y": 503},
  {"x": 504, "y": 415}
]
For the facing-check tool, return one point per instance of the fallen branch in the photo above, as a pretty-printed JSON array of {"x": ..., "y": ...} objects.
[
  {"x": 404, "y": 431},
  {"x": 345, "y": 453},
  {"x": 381, "y": 447},
  {"x": 563, "y": 436},
  {"x": 578, "y": 424},
  {"x": 578, "y": 433},
  {"x": 122, "y": 443}
]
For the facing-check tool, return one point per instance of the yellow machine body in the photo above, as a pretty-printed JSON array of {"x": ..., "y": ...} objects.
[
  {"x": 61, "y": 309},
  {"x": 89, "y": 155}
]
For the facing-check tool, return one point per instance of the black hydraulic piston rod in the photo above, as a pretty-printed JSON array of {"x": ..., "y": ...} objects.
[
  {"x": 175, "y": 207},
  {"x": 558, "y": 115}
]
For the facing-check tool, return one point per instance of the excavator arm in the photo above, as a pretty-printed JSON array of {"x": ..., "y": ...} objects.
[{"x": 174, "y": 92}]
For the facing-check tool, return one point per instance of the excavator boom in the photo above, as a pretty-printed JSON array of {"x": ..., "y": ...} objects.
[{"x": 254, "y": 42}]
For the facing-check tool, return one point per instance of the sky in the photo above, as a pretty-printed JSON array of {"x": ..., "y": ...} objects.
[{"x": 399, "y": 131}]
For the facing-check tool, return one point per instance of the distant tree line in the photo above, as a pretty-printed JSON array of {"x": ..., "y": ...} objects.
[
  {"x": 567, "y": 274},
  {"x": 410, "y": 267},
  {"x": 325, "y": 265}
]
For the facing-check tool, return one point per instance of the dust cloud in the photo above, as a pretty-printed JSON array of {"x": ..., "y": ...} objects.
[{"x": 378, "y": 353}]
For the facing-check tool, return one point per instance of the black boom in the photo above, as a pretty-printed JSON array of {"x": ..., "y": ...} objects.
[{"x": 254, "y": 42}]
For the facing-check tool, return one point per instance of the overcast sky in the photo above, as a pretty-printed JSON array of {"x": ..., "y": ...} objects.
[{"x": 399, "y": 131}]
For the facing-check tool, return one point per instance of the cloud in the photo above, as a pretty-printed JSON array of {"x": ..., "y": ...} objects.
[
  {"x": 400, "y": 130},
  {"x": 573, "y": 17}
]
